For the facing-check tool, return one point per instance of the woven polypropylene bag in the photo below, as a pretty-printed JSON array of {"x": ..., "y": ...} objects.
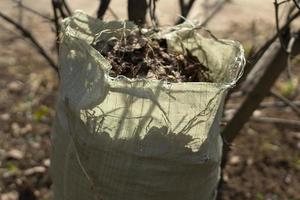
[{"x": 125, "y": 139}]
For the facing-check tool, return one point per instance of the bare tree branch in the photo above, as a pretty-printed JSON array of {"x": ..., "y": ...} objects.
[
  {"x": 276, "y": 6},
  {"x": 103, "y": 6},
  {"x": 185, "y": 8},
  {"x": 257, "y": 56},
  {"x": 271, "y": 65},
  {"x": 296, "y": 4},
  {"x": 279, "y": 121},
  {"x": 137, "y": 10},
  {"x": 20, "y": 4},
  {"x": 29, "y": 36},
  {"x": 286, "y": 101},
  {"x": 265, "y": 105},
  {"x": 56, "y": 23},
  {"x": 216, "y": 10},
  {"x": 113, "y": 13},
  {"x": 67, "y": 8},
  {"x": 152, "y": 8}
]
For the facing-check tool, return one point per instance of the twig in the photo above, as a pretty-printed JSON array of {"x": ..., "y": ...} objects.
[
  {"x": 286, "y": 101},
  {"x": 152, "y": 8},
  {"x": 264, "y": 105},
  {"x": 103, "y": 6},
  {"x": 184, "y": 9},
  {"x": 66, "y": 6},
  {"x": 137, "y": 10},
  {"x": 56, "y": 23},
  {"x": 113, "y": 13},
  {"x": 216, "y": 10},
  {"x": 270, "y": 66},
  {"x": 258, "y": 55},
  {"x": 62, "y": 6},
  {"x": 296, "y": 4},
  {"x": 28, "y": 35},
  {"x": 289, "y": 51},
  {"x": 20, "y": 12},
  {"x": 20, "y": 4},
  {"x": 285, "y": 122},
  {"x": 276, "y": 6}
]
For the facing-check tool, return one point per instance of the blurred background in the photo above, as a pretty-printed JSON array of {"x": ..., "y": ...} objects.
[{"x": 264, "y": 159}]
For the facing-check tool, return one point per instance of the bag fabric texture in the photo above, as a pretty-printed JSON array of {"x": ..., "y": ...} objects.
[{"x": 136, "y": 139}]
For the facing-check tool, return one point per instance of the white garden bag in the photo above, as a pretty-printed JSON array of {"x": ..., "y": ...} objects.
[{"x": 125, "y": 139}]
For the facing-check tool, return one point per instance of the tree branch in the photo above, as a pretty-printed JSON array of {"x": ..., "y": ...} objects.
[
  {"x": 20, "y": 4},
  {"x": 152, "y": 8},
  {"x": 185, "y": 8},
  {"x": 103, "y": 6},
  {"x": 258, "y": 55},
  {"x": 286, "y": 101},
  {"x": 216, "y": 10},
  {"x": 279, "y": 121},
  {"x": 137, "y": 11},
  {"x": 29, "y": 36},
  {"x": 296, "y": 4}
]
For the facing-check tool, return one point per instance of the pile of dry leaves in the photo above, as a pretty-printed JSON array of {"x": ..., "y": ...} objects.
[{"x": 138, "y": 56}]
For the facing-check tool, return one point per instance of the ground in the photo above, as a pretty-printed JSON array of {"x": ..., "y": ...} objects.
[{"x": 265, "y": 159}]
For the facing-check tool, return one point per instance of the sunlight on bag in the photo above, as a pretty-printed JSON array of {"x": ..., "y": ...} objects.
[{"x": 136, "y": 139}]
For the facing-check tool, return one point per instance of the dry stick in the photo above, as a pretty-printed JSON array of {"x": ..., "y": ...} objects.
[
  {"x": 67, "y": 8},
  {"x": 112, "y": 12},
  {"x": 285, "y": 122},
  {"x": 274, "y": 120},
  {"x": 57, "y": 25},
  {"x": 272, "y": 63},
  {"x": 270, "y": 66},
  {"x": 277, "y": 104},
  {"x": 296, "y": 4},
  {"x": 103, "y": 6},
  {"x": 137, "y": 10},
  {"x": 216, "y": 10},
  {"x": 28, "y": 35},
  {"x": 184, "y": 10},
  {"x": 20, "y": 4},
  {"x": 257, "y": 56},
  {"x": 264, "y": 105},
  {"x": 20, "y": 12},
  {"x": 286, "y": 101},
  {"x": 152, "y": 9},
  {"x": 276, "y": 6}
]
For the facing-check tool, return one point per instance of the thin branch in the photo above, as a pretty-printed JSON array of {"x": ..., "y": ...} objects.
[
  {"x": 264, "y": 105},
  {"x": 258, "y": 55},
  {"x": 273, "y": 120},
  {"x": 56, "y": 23},
  {"x": 289, "y": 51},
  {"x": 112, "y": 12},
  {"x": 20, "y": 4},
  {"x": 152, "y": 8},
  {"x": 28, "y": 35},
  {"x": 271, "y": 65},
  {"x": 66, "y": 6},
  {"x": 279, "y": 121},
  {"x": 286, "y": 101},
  {"x": 137, "y": 10},
  {"x": 276, "y": 6},
  {"x": 184, "y": 10},
  {"x": 62, "y": 7},
  {"x": 103, "y": 6},
  {"x": 216, "y": 10},
  {"x": 296, "y": 4}
]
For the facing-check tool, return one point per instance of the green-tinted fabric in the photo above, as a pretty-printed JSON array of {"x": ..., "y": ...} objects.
[{"x": 122, "y": 139}]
